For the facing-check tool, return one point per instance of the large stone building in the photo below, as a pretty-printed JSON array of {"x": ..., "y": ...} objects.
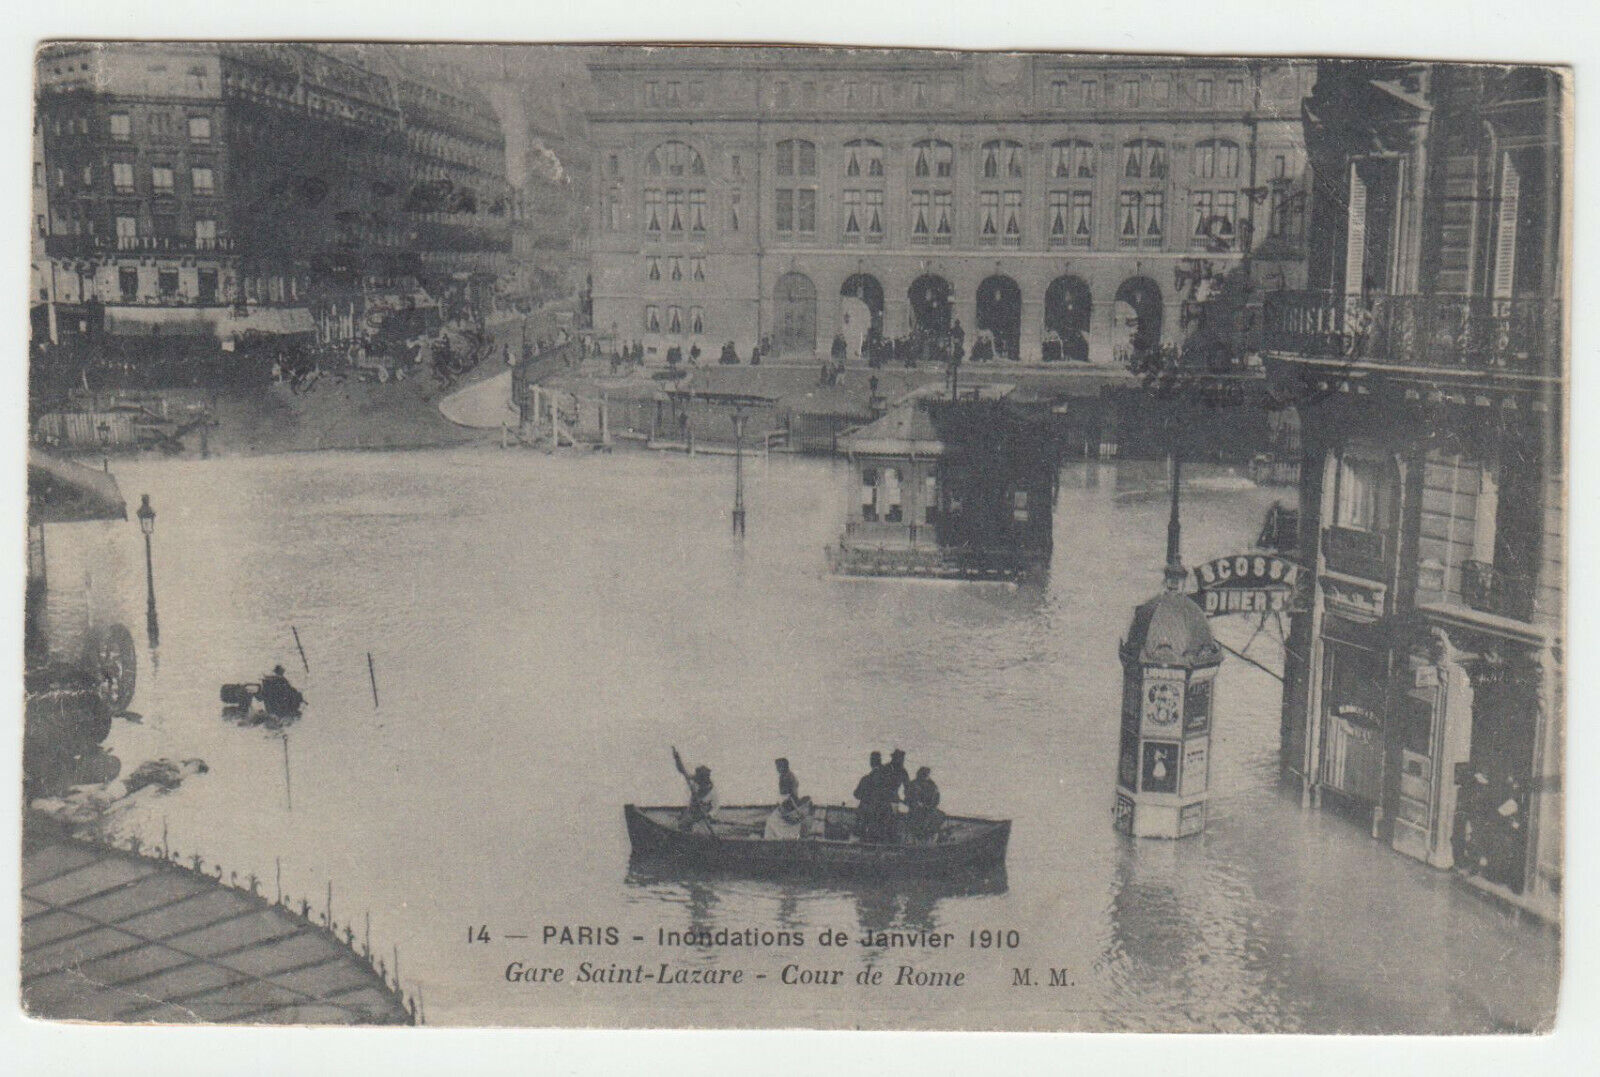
[
  {"x": 1423, "y": 687},
  {"x": 214, "y": 189},
  {"x": 796, "y": 194}
]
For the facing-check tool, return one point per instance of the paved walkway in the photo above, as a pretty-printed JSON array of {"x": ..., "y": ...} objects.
[{"x": 111, "y": 936}]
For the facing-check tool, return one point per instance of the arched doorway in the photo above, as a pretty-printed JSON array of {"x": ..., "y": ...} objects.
[
  {"x": 1000, "y": 314},
  {"x": 1138, "y": 312},
  {"x": 860, "y": 310},
  {"x": 796, "y": 301},
  {"x": 931, "y": 309},
  {"x": 1067, "y": 307}
]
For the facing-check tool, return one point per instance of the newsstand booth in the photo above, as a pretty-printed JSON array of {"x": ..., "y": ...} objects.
[{"x": 1169, "y": 668}]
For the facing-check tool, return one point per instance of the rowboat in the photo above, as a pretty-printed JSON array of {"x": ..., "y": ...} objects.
[{"x": 734, "y": 842}]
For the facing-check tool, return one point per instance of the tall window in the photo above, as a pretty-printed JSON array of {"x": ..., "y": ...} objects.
[
  {"x": 121, "y": 177},
  {"x": 161, "y": 179},
  {"x": 863, "y": 158},
  {"x": 127, "y": 232},
  {"x": 205, "y": 235},
  {"x": 697, "y": 211},
  {"x": 932, "y": 203},
  {"x": 613, "y": 211},
  {"x": 1129, "y": 96},
  {"x": 931, "y": 158},
  {"x": 1144, "y": 158},
  {"x": 1071, "y": 218},
  {"x": 1000, "y": 217},
  {"x": 734, "y": 200},
  {"x": 652, "y": 318},
  {"x": 652, "y": 211},
  {"x": 1216, "y": 158},
  {"x": 862, "y": 203},
  {"x": 674, "y": 159},
  {"x": 652, "y": 268},
  {"x": 1141, "y": 218},
  {"x": 203, "y": 181},
  {"x": 1089, "y": 93},
  {"x": 1234, "y": 92},
  {"x": 674, "y": 212},
  {"x": 121, "y": 127},
  {"x": 1214, "y": 213},
  {"x": 1060, "y": 94},
  {"x": 1204, "y": 92},
  {"x": 697, "y": 320},
  {"x": 795, "y": 203},
  {"x": 1072, "y": 159},
  {"x": 199, "y": 129},
  {"x": 1001, "y": 158}
]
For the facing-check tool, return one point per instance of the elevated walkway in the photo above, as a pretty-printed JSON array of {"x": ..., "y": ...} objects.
[{"x": 108, "y": 935}]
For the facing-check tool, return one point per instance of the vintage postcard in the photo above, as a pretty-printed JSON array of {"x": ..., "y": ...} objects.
[{"x": 757, "y": 537}]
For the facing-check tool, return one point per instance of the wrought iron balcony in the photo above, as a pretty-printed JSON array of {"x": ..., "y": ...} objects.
[
  {"x": 1489, "y": 590},
  {"x": 83, "y": 246},
  {"x": 1446, "y": 331}
]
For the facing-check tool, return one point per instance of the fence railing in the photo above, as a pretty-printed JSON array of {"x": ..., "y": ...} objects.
[{"x": 1457, "y": 331}]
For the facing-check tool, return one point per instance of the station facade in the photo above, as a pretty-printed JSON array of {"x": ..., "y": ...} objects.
[{"x": 1057, "y": 206}]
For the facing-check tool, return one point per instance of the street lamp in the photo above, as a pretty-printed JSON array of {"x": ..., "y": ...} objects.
[
  {"x": 738, "y": 471},
  {"x": 104, "y": 430},
  {"x": 147, "y": 524}
]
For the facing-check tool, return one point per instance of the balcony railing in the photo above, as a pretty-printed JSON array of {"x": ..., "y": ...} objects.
[
  {"x": 84, "y": 246},
  {"x": 1450, "y": 331},
  {"x": 1489, "y": 590},
  {"x": 1356, "y": 553}
]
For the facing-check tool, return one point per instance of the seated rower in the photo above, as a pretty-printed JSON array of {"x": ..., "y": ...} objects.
[
  {"x": 923, "y": 817},
  {"x": 791, "y": 818}
]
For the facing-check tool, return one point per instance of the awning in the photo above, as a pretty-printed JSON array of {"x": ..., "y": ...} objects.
[
  {"x": 60, "y": 491},
  {"x": 222, "y": 323}
]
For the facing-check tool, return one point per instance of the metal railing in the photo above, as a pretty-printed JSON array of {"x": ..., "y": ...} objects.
[{"x": 1452, "y": 331}]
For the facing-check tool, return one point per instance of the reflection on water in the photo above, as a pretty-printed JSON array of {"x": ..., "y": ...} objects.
[{"x": 544, "y": 627}]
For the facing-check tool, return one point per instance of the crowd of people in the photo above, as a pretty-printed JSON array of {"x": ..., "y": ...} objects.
[{"x": 891, "y": 806}]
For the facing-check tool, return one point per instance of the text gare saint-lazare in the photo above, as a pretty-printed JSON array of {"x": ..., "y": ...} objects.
[{"x": 755, "y": 939}]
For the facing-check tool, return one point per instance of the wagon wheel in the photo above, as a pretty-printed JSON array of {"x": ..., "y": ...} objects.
[{"x": 108, "y": 657}]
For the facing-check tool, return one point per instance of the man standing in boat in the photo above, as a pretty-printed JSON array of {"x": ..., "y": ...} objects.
[
  {"x": 875, "y": 802},
  {"x": 789, "y": 819},
  {"x": 702, "y": 795}
]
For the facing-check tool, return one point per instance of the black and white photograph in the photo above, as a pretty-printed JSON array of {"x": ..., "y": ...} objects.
[{"x": 791, "y": 536}]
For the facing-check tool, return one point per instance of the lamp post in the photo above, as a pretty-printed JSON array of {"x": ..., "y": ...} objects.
[
  {"x": 738, "y": 472},
  {"x": 147, "y": 524},
  {"x": 104, "y": 430}
]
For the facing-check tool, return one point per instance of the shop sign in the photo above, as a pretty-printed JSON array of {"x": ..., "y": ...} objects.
[{"x": 1249, "y": 583}]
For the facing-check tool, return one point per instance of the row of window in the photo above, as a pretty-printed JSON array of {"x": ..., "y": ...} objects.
[
  {"x": 202, "y": 180},
  {"x": 673, "y": 268},
  {"x": 1069, "y": 158},
  {"x": 675, "y": 320},
  {"x": 1128, "y": 91},
  {"x": 120, "y": 126},
  {"x": 1157, "y": 91},
  {"x": 1141, "y": 220}
]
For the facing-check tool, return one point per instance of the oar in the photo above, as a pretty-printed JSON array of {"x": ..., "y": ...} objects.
[{"x": 677, "y": 761}]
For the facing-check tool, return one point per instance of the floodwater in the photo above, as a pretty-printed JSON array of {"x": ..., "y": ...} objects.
[{"x": 543, "y": 628}]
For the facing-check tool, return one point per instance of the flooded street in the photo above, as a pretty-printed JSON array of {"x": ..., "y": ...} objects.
[{"x": 543, "y": 629}]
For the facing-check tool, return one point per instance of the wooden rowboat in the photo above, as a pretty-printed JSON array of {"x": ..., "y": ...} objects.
[{"x": 734, "y": 842}]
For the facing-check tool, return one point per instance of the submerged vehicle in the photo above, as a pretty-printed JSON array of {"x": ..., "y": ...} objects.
[{"x": 733, "y": 840}]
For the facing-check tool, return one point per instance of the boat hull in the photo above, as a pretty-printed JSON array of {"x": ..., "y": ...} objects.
[{"x": 973, "y": 847}]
